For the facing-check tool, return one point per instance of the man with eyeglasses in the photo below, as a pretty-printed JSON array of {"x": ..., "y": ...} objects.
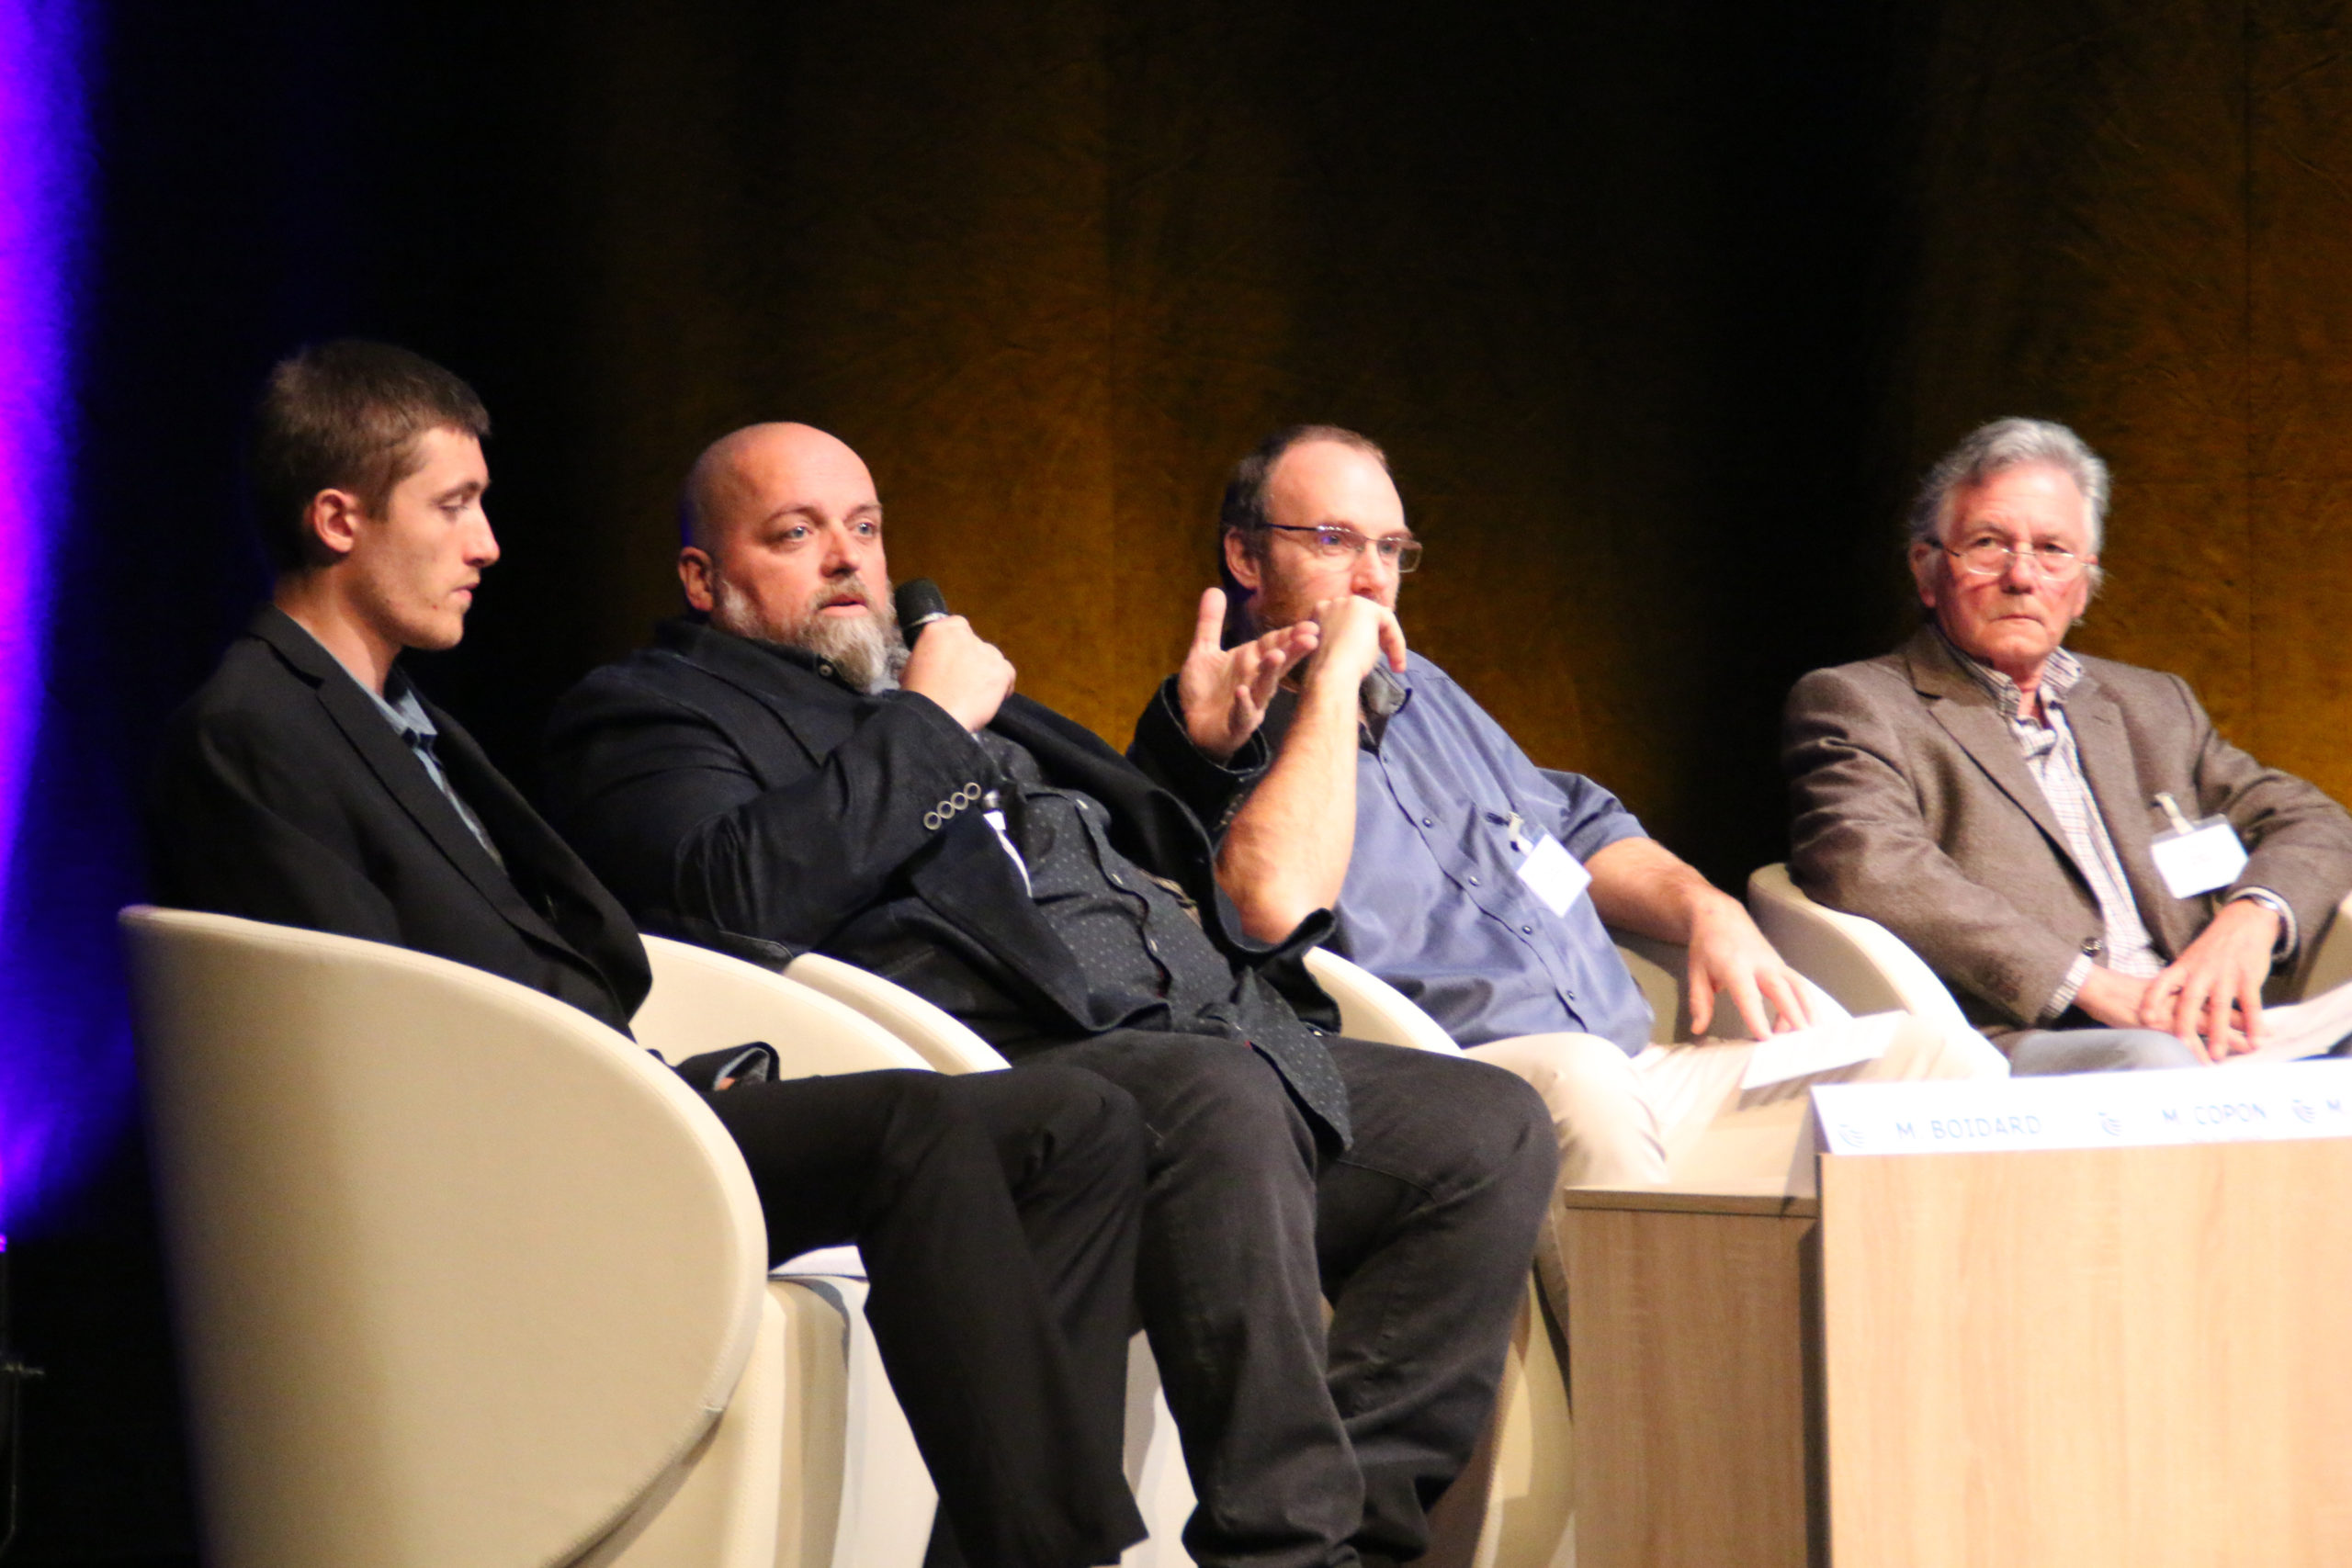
[
  {"x": 1353, "y": 775},
  {"x": 2103, "y": 880}
]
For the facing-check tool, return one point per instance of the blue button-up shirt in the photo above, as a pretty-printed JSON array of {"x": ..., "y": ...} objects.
[{"x": 1434, "y": 903}]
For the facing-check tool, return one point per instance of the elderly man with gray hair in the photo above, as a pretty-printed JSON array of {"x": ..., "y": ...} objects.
[{"x": 2100, "y": 878}]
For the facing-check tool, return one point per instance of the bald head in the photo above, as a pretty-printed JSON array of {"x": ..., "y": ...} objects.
[
  {"x": 740, "y": 474},
  {"x": 783, "y": 544}
]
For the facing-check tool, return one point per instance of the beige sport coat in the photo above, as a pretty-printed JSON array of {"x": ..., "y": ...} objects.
[{"x": 1912, "y": 806}]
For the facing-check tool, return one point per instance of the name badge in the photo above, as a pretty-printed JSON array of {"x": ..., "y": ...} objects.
[
  {"x": 2196, "y": 857},
  {"x": 1552, "y": 874}
]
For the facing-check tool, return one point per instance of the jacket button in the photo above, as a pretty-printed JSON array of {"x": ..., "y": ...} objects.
[{"x": 2093, "y": 946}]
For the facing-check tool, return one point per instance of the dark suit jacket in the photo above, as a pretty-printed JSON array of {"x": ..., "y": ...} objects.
[
  {"x": 1914, "y": 806},
  {"x": 726, "y": 790},
  {"x": 283, "y": 794}
]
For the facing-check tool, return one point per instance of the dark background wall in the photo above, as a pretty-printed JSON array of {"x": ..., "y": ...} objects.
[{"x": 1659, "y": 310}]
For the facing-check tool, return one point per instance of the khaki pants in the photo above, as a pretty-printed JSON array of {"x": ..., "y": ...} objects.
[{"x": 1676, "y": 1113}]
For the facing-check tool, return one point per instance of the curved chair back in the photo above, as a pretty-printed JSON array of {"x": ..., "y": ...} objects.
[
  {"x": 1662, "y": 969},
  {"x": 704, "y": 1000},
  {"x": 2327, "y": 960},
  {"x": 931, "y": 1032},
  {"x": 1858, "y": 960},
  {"x": 880, "y": 1492},
  {"x": 1526, "y": 1512},
  {"x": 462, "y": 1276},
  {"x": 1372, "y": 1009}
]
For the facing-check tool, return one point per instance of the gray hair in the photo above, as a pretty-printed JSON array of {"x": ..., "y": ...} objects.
[{"x": 1995, "y": 448}]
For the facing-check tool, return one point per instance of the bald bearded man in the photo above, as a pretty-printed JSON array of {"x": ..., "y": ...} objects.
[{"x": 778, "y": 772}]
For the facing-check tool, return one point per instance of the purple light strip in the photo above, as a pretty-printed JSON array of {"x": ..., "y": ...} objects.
[{"x": 44, "y": 163}]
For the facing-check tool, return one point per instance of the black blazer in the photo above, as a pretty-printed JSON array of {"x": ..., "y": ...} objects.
[
  {"x": 725, "y": 790},
  {"x": 283, "y": 794}
]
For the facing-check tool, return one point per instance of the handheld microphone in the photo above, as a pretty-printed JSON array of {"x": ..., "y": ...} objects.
[
  {"x": 1382, "y": 693},
  {"x": 918, "y": 603}
]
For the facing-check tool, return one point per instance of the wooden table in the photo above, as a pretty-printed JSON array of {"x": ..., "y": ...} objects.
[
  {"x": 1691, "y": 1378},
  {"x": 2053, "y": 1359}
]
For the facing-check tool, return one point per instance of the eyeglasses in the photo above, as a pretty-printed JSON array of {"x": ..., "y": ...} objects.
[
  {"x": 1991, "y": 556},
  {"x": 1329, "y": 541}
]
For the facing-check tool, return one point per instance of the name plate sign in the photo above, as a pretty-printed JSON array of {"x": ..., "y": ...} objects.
[{"x": 2088, "y": 1111}]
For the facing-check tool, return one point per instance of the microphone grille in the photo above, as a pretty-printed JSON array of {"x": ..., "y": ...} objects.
[{"x": 919, "y": 602}]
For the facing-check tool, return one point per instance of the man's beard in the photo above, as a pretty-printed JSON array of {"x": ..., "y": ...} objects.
[
  {"x": 1271, "y": 609},
  {"x": 866, "y": 650}
]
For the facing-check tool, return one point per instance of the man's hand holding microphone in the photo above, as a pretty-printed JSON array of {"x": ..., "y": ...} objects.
[{"x": 946, "y": 659}]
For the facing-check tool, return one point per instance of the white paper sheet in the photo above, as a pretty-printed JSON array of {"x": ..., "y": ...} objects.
[
  {"x": 1839, "y": 1044},
  {"x": 2304, "y": 1029}
]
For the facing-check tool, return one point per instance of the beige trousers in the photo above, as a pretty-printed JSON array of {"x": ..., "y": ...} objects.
[{"x": 1676, "y": 1113}]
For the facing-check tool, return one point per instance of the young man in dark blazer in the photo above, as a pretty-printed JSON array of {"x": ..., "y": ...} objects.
[
  {"x": 772, "y": 771},
  {"x": 309, "y": 784}
]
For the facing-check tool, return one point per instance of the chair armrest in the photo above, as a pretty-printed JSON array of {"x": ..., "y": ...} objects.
[
  {"x": 704, "y": 1000},
  {"x": 1856, "y": 960},
  {"x": 1372, "y": 1009},
  {"x": 931, "y": 1032},
  {"x": 1661, "y": 969},
  {"x": 458, "y": 1271},
  {"x": 2327, "y": 955}
]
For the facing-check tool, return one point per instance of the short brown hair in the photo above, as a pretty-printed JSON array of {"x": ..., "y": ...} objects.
[
  {"x": 1244, "y": 508},
  {"x": 345, "y": 415}
]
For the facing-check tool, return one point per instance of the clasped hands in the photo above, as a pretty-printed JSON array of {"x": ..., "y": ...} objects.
[
  {"x": 2209, "y": 997},
  {"x": 1224, "y": 691}
]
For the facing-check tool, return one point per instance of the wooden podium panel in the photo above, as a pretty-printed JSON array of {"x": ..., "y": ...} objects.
[
  {"x": 1688, "y": 1344},
  {"x": 2081, "y": 1358}
]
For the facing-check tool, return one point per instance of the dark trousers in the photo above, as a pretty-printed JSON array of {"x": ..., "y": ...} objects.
[
  {"x": 997, "y": 1216},
  {"x": 1309, "y": 1449}
]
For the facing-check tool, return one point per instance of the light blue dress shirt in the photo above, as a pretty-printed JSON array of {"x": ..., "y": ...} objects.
[
  {"x": 1434, "y": 903},
  {"x": 405, "y": 710}
]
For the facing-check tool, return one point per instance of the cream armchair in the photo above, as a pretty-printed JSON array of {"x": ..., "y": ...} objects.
[
  {"x": 1530, "y": 1506},
  {"x": 1856, "y": 960},
  {"x": 463, "y": 1277},
  {"x": 1371, "y": 1009},
  {"x": 824, "y": 1016},
  {"x": 931, "y": 1032},
  {"x": 1868, "y": 968},
  {"x": 1530, "y": 1502},
  {"x": 2327, "y": 957},
  {"x": 702, "y": 1000},
  {"x": 1526, "y": 1514}
]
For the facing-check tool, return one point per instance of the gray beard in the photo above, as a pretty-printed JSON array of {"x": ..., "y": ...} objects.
[{"x": 868, "y": 654}]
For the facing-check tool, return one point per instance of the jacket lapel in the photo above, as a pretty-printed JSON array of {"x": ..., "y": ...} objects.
[
  {"x": 1968, "y": 714},
  {"x": 2106, "y": 750},
  {"x": 397, "y": 767}
]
